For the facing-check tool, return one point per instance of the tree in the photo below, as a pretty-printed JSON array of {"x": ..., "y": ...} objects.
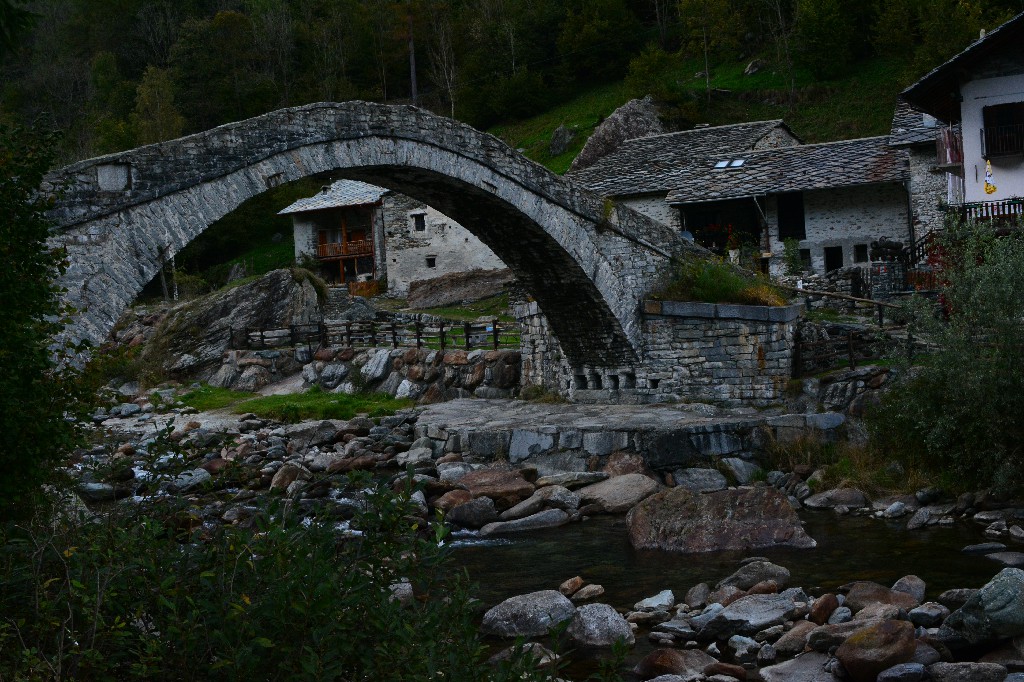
[
  {"x": 443, "y": 70},
  {"x": 156, "y": 118},
  {"x": 954, "y": 412},
  {"x": 35, "y": 394},
  {"x": 825, "y": 31}
]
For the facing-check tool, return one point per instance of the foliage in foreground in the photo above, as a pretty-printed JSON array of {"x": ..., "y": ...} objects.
[
  {"x": 958, "y": 412},
  {"x": 34, "y": 395},
  {"x": 713, "y": 281},
  {"x": 147, "y": 595}
]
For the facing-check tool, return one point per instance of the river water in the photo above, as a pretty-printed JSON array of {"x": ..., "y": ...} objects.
[{"x": 849, "y": 548}]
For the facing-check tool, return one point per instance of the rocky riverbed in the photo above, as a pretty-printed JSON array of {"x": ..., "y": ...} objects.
[{"x": 228, "y": 466}]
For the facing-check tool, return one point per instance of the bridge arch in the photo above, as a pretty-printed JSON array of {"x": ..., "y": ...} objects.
[{"x": 586, "y": 262}]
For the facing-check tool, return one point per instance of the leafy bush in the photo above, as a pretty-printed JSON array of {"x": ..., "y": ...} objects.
[
  {"x": 714, "y": 281},
  {"x": 319, "y": 404},
  {"x": 35, "y": 393},
  {"x": 954, "y": 413},
  {"x": 140, "y": 595}
]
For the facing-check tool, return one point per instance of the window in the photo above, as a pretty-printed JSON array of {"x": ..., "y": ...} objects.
[
  {"x": 419, "y": 222},
  {"x": 1004, "y": 129},
  {"x": 833, "y": 258},
  {"x": 860, "y": 253},
  {"x": 791, "y": 216},
  {"x": 805, "y": 258},
  {"x": 431, "y": 261}
]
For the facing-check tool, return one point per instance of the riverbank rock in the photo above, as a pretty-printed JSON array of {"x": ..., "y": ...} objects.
[
  {"x": 599, "y": 625},
  {"x": 867, "y": 653},
  {"x": 619, "y": 493},
  {"x": 190, "y": 341},
  {"x": 506, "y": 487},
  {"x": 967, "y": 672},
  {"x": 863, "y": 593},
  {"x": 689, "y": 664},
  {"x": 458, "y": 287},
  {"x": 995, "y": 612},
  {"x": 742, "y": 519},
  {"x": 755, "y": 572},
  {"x": 528, "y": 615},
  {"x": 811, "y": 667},
  {"x": 549, "y": 518},
  {"x": 850, "y": 498},
  {"x": 749, "y": 615},
  {"x": 635, "y": 118}
]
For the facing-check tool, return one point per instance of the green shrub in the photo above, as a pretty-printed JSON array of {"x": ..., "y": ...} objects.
[
  {"x": 137, "y": 594},
  {"x": 955, "y": 412},
  {"x": 713, "y": 281},
  {"x": 319, "y": 404}
]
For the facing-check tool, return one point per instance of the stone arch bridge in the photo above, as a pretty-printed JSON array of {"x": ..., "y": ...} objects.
[{"x": 586, "y": 262}]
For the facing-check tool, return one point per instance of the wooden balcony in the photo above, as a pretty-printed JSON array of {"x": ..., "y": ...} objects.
[{"x": 343, "y": 249}]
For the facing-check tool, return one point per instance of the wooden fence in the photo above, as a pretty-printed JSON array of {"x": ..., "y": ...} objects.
[
  {"x": 850, "y": 349},
  {"x": 444, "y": 335}
]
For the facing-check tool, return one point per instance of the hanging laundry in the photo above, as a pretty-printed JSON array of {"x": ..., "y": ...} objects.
[{"x": 990, "y": 185}]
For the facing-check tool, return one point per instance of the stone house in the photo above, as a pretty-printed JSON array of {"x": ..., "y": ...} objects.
[
  {"x": 929, "y": 186},
  {"x": 642, "y": 171},
  {"x": 978, "y": 98},
  {"x": 834, "y": 198},
  {"x": 360, "y": 233}
]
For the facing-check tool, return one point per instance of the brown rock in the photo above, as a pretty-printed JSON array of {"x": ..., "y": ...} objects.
[
  {"x": 456, "y": 357},
  {"x": 588, "y": 592},
  {"x": 415, "y": 372},
  {"x": 875, "y": 648},
  {"x": 571, "y": 586},
  {"x": 864, "y": 592},
  {"x": 215, "y": 466},
  {"x": 476, "y": 377},
  {"x": 687, "y": 663},
  {"x": 719, "y": 668},
  {"x": 824, "y": 637},
  {"x": 345, "y": 354},
  {"x": 745, "y": 518},
  {"x": 506, "y": 487},
  {"x": 823, "y": 608},
  {"x": 452, "y": 499},
  {"x": 620, "y": 463},
  {"x": 619, "y": 493},
  {"x": 726, "y": 595},
  {"x": 795, "y": 640},
  {"x": 697, "y": 596},
  {"x": 411, "y": 356},
  {"x": 764, "y": 587},
  {"x": 361, "y": 463},
  {"x": 323, "y": 354},
  {"x": 450, "y": 457}
]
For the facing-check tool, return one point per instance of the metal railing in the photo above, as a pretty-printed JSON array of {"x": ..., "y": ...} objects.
[{"x": 1005, "y": 140}]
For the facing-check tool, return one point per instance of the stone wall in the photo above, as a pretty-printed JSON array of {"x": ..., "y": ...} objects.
[
  {"x": 845, "y": 218},
  {"x": 731, "y": 354},
  {"x": 653, "y": 206},
  {"x": 928, "y": 187},
  {"x": 443, "y": 247},
  {"x": 422, "y": 374}
]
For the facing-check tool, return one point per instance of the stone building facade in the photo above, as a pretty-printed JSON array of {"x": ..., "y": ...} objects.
[{"x": 410, "y": 240}]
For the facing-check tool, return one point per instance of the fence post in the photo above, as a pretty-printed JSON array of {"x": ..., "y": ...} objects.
[
  {"x": 495, "y": 328},
  {"x": 466, "y": 329},
  {"x": 394, "y": 334},
  {"x": 324, "y": 339},
  {"x": 419, "y": 333},
  {"x": 347, "y": 339},
  {"x": 441, "y": 334},
  {"x": 849, "y": 349},
  {"x": 373, "y": 333},
  {"x": 881, "y": 315}
]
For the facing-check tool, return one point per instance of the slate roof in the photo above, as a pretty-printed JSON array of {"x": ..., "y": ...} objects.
[
  {"x": 848, "y": 163},
  {"x": 909, "y": 126},
  {"x": 340, "y": 194},
  {"x": 935, "y": 91},
  {"x": 657, "y": 163}
]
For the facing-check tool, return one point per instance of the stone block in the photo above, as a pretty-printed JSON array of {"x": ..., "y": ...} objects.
[{"x": 525, "y": 443}]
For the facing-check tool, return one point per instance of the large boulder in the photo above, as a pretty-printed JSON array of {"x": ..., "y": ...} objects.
[
  {"x": 754, "y": 572},
  {"x": 811, "y": 667},
  {"x": 458, "y": 287},
  {"x": 528, "y": 615},
  {"x": 863, "y": 593},
  {"x": 549, "y": 518},
  {"x": 506, "y": 487},
  {"x": 867, "y": 653},
  {"x": 845, "y": 497},
  {"x": 994, "y": 612},
  {"x": 635, "y": 118},
  {"x": 599, "y": 625},
  {"x": 749, "y": 615},
  {"x": 687, "y": 663},
  {"x": 619, "y": 493},
  {"x": 742, "y": 519},
  {"x": 190, "y": 341}
]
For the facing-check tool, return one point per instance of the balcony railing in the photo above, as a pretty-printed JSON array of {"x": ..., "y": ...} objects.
[
  {"x": 1003, "y": 140},
  {"x": 988, "y": 210},
  {"x": 336, "y": 249}
]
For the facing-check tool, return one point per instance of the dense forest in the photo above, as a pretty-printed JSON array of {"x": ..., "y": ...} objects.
[{"x": 113, "y": 74}]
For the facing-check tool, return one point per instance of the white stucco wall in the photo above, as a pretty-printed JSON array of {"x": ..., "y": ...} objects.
[
  {"x": 844, "y": 217},
  {"x": 452, "y": 246},
  {"x": 1008, "y": 172},
  {"x": 653, "y": 206}
]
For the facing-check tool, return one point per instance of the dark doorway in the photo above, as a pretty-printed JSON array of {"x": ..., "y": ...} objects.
[{"x": 833, "y": 258}]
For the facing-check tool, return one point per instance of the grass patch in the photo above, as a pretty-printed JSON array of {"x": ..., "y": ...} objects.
[
  {"x": 717, "y": 282},
  {"x": 213, "y": 398},
  {"x": 493, "y": 307},
  {"x": 318, "y": 404}
]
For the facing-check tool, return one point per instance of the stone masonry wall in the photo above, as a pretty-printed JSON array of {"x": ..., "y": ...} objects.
[
  {"x": 729, "y": 354},
  {"x": 927, "y": 189},
  {"x": 452, "y": 247}
]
